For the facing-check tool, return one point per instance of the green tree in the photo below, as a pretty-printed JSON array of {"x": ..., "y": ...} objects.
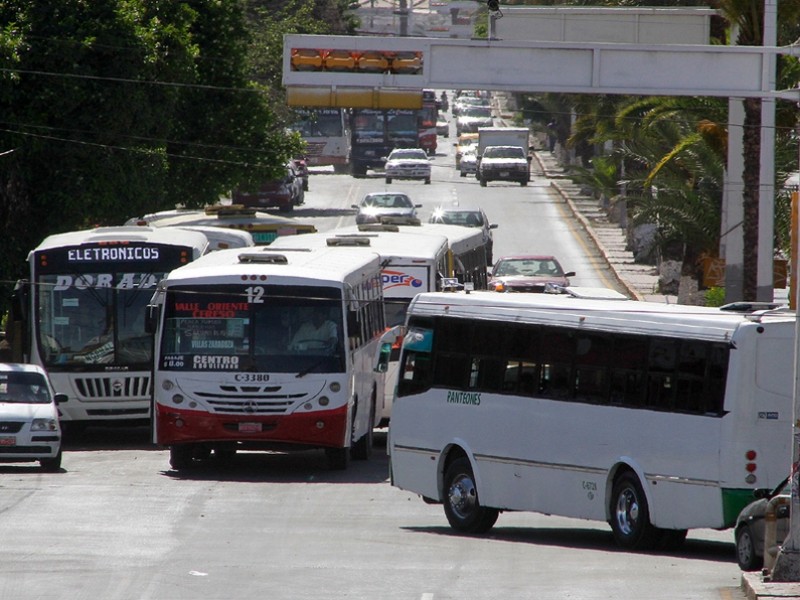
[{"x": 114, "y": 108}]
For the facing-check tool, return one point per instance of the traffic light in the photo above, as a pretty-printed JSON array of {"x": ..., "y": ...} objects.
[{"x": 493, "y": 5}]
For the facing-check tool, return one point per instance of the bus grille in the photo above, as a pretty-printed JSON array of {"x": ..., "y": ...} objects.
[
  {"x": 314, "y": 148},
  {"x": 113, "y": 388},
  {"x": 252, "y": 405}
]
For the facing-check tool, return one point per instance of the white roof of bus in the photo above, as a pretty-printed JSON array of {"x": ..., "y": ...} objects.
[
  {"x": 460, "y": 238},
  {"x": 331, "y": 266},
  {"x": 124, "y": 233},
  {"x": 631, "y": 316},
  {"x": 389, "y": 244},
  {"x": 181, "y": 217},
  {"x": 220, "y": 238}
]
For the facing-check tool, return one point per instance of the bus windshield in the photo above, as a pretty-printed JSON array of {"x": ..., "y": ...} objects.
[
  {"x": 322, "y": 123},
  {"x": 95, "y": 319},
  {"x": 283, "y": 329}
]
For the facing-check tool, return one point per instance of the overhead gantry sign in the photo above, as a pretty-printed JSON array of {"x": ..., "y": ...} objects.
[{"x": 362, "y": 71}]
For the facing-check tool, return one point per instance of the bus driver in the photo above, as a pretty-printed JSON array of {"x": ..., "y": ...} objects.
[{"x": 317, "y": 331}]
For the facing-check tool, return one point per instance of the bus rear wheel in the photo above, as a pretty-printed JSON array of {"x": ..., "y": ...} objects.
[
  {"x": 461, "y": 505},
  {"x": 630, "y": 515}
]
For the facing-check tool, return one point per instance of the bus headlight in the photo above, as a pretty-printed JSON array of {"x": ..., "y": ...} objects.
[
  {"x": 167, "y": 385},
  {"x": 335, "y": 386},
  {"x": 177, "y": 399},
  {"x": 324, "y": 401}
]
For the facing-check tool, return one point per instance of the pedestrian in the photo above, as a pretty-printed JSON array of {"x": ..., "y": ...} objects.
[{"x": 552, "y": 127}]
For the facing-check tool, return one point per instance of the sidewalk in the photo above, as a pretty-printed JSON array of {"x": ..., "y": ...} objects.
[{"x": 641, "y": 281}]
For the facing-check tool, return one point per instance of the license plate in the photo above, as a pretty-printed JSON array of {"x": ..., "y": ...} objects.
[
  {"x": 249, "y": 427},
  {"x": 503, "y": 173},
  {"x": 8, "y": 440}
]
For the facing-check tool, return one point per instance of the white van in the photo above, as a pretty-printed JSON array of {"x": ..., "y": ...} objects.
[{"x": 29, "y": 427}]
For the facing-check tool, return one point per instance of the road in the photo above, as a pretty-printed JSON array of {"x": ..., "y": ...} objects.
[{"x": 118, "y": 524}]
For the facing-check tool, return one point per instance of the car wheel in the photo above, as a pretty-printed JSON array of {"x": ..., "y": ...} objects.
[
  {"x": 746, "y": 550},
  {"x": 523, "y": 183},
  {"x": 630, "y": 515},
  {"x": 51, "y": 465},
  {"x": 463, "y": 173},
  {"x": 461, "y": 505},
  {"x": 286, "y": 208},
  {"x": 483, "y": 182},
  {"x": 427, "y": 181},
  {"x": 388, "y": 180}
]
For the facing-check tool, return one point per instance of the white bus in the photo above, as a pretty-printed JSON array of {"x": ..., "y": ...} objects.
[
  {"x": 411, "y": 263},
  {"x": 326, "y": 132},
  {"x": 654, "y": 418},
  {"x": 468, "y": 252},
  {"x": 81, "y": 315},
  {"x": 238, "y": 364}
]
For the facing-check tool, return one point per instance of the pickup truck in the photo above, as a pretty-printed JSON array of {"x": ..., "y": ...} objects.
[{"x": 508, "y": 163}]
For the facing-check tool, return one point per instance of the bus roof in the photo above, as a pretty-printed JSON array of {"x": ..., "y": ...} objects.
[
  {"x": 221, "y": 238},
  {"x": 632, "y": 316},
  {"x": 404, "y": 244},
  {"x": 302, "y": 266},
  {"x": 461, "y": 239},
  {"x": 264, "y": 227},
  {"x": 124, "y": 233}
]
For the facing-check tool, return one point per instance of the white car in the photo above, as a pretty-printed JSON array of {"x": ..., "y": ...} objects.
[
  {"x": 468, "y": 165},
  {"x": 29, "y": 426},
  {"x": 408, "y": 163}
]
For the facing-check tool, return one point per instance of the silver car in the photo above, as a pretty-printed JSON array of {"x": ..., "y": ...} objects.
[
  {"x": 379, "y": 206},
  {"x": 750, "y": 526}
]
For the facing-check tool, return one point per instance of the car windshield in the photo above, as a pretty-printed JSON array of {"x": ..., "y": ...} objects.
[
  {"x": 403, "y": 154},
  {"x": 23, "y": 388},
  {"x": 477, "y": 111},
  {"x": 388, "y": 201},
  {"x": 504, "y": 152},
  {"x": 528, "y": 267},
  {"x": 468, "y": 218}
]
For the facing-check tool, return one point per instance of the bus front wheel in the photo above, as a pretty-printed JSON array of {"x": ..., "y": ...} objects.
[
  {"x": 630, "y": 515},
  {"x": 181, "y": 456},
  {"x": 461, "y": 505}
]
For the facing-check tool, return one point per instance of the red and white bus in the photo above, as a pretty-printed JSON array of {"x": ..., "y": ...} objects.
[{"x": 237, "y": 364}]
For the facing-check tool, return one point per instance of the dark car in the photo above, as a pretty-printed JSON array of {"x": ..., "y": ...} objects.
[
  {"x": 750, "y": 526},
  {"x": 381, "y": 205},
  {"x": 527, "y": 273},
  {"x": 467, "y": 216},
  {"x": 284, "y": 193}
]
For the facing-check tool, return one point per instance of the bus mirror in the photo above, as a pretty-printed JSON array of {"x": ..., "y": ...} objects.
[
  {"x": 151, "y": 318},
  {"x": 383, "y": 358},
  {"x": 60, "y": 398}
]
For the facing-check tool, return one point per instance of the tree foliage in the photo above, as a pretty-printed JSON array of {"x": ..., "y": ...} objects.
[{"x": 114, "y": 108}]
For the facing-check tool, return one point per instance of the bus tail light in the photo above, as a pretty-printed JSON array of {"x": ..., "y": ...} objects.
[{"x": 750, "y": 466}]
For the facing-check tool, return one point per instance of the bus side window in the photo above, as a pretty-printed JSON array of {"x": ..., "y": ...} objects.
[{"x": 415, "y": 373}]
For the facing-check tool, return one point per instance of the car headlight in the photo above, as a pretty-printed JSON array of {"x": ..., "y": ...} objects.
[{"x": 43, "y": 425}]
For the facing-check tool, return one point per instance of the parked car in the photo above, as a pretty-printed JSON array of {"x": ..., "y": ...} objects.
[
  {"x": 468, "y": 165},
  {"x": 467, "y": 216},
  {"x": 750, "y": 526},
  {"x": 527, "y": 273},
  {"x": 284, "y": 193},
  {"x": 381, "y": 205},
  {"x": 443, "y": 127},
  {"x": 408, "y": 163},
  {"x": 29, "y": 424},
  {"x": 301, "y": 166}
]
